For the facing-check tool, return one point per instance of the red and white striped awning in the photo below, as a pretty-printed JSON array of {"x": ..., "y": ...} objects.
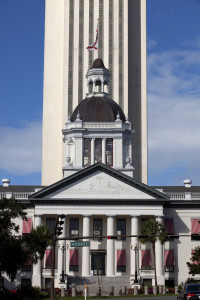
[
  {"x": 146, "y": 258},
  {"x": 169, "y": 258},
  {"x": 195, "y": 226},
  {"x": 73, "y": 259},
  {"x": 121, "y": 257},
  {"x": 48, "y": 257},
  {"x": 27, "y": 225}
]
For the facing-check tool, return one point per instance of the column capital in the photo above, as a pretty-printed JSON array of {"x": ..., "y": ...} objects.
[
  {"x": 110, "y": 216},
  {"x": 135, "y": 216},
  {"x": 38, "y": 216},
  {"x": 86, "y": 216}
]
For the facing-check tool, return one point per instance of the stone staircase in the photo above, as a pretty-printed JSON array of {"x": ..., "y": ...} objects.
[{"x": 100, "y": 285}]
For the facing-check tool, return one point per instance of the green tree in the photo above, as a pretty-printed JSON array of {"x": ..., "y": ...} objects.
[
  {"x": 153, "y": 231},
  {"x": 15, "y": 249},
  {"x": 194, "y": 265}
]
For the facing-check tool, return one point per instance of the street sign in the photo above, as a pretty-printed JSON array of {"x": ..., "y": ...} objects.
[{"x": 79, "y": 244}]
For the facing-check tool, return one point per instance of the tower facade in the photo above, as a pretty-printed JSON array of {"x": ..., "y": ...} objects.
[{"x": 69, "y": 28}]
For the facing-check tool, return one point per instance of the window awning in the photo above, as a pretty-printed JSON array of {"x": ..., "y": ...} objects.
[
  {"x": 146, "y": 258},
  {"x": 169, "y": 258},
  {"x": 169, "y": 225},
  {"x": 121, "y": 257},
  {"x": 27, "y": 225},
  {"x": 48, "y": 257},
  {"x": 73, "y": 260},
  {"x": 195, "y": 226}
]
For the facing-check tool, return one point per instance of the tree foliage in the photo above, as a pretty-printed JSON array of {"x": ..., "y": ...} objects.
[
  {"x": 152, "y": 231},
  {"x": 16, "y": 249},
  {"x": 194, "y": 265}
]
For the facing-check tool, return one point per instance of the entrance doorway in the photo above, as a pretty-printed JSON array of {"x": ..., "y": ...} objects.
[{"x": 98, "y": 263}]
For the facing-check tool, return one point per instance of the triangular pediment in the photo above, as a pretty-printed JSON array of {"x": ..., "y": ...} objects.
[
  {"x": 98, "y": 182},
  {"x": 99, "y": 185}
]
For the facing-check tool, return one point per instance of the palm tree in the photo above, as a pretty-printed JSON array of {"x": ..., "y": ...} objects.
[{"x": 153, "y": 231}]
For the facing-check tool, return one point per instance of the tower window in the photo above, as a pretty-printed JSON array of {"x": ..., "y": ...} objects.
[
  {"x": 98, "y": 151},
  {"x": 87, "y": 152},
  {"x": 109, "y": 152}
]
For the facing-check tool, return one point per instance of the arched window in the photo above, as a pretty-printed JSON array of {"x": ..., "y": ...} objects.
[
  {"x": 105, "y": 86},
  {"x": 109, "y": 152},
  {"x": 98, "y": 150},
  {"x": 98, "y": 86},
  {"x": 90, "y": 87},
  {"x": 87, "y": 152}
]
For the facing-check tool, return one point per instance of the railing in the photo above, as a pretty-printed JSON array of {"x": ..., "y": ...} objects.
[
  {"x": 2, "y": 195},
  {"x": 195, "y": 196},
  {"x": 181, "y": 196},
  {"x": 22, "y": 195},
  {"x": 176, "y": 195}
]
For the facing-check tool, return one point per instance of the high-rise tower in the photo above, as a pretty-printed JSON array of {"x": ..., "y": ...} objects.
[{"x": 69, "y": 28}]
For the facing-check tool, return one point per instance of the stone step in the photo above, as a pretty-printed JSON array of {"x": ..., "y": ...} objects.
[{"x": 101, "y": 285}]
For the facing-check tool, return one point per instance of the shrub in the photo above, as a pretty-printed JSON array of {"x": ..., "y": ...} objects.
[
  {"x": 68, "y": 293},
  {"x": 141, "y": 290},
  {"x": 79, "y": 293}
]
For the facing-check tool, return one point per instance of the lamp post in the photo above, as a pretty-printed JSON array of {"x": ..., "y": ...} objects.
[
  {"x": 63, "y": 248},
  {"x": 63, "y": 253},
  {"x": 57, "y": 233},
  {"x": 136, "y": 265}
]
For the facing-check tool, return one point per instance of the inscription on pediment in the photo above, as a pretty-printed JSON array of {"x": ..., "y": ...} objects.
[{"x": 101, "y": 185}]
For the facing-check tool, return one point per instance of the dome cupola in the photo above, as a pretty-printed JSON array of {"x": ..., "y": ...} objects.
[
  {"x": 98, "y": 79},
  {"x": 98, "y": 106}
]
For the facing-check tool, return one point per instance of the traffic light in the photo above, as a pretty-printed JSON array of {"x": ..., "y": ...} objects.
[
  {"x": 112, "y": 237},
  {"x": 59, "y": 224}
]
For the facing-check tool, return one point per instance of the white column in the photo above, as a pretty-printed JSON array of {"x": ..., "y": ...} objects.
[
  {"x": 61, "y": 244},
  {"x": 110, "y": 247},
  {"x": 86, "y": 250},
  {"x": 36, "y": 277},
  {"x": 102, "y": 87},
  {"x": 159, "y": 258},
  {"x": 92, "y": 151},
  {"x": 103, "y": 151},
  {"x": 134, "y": 242}
]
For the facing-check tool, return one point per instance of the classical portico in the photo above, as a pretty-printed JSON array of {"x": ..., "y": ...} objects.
[{"x": 115, "y": 206}]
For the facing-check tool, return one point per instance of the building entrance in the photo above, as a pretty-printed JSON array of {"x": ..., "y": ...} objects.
[{"x": 98, "y": 263}]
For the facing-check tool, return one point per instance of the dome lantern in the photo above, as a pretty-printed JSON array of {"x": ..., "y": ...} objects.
[{"x": 98, "y": 80}]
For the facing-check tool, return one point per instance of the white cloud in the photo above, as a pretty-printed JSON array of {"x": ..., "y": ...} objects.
[
  {"x": 21, "y": 148},
  {"x": 174, "y": 116},
  {"x": 151, "y": 43}
]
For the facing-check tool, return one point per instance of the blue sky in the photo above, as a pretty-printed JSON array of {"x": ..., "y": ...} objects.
[{"x": 173, "y": 48}]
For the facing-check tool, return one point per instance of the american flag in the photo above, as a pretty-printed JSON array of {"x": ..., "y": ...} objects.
[{"x": 94, "y": 45}]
